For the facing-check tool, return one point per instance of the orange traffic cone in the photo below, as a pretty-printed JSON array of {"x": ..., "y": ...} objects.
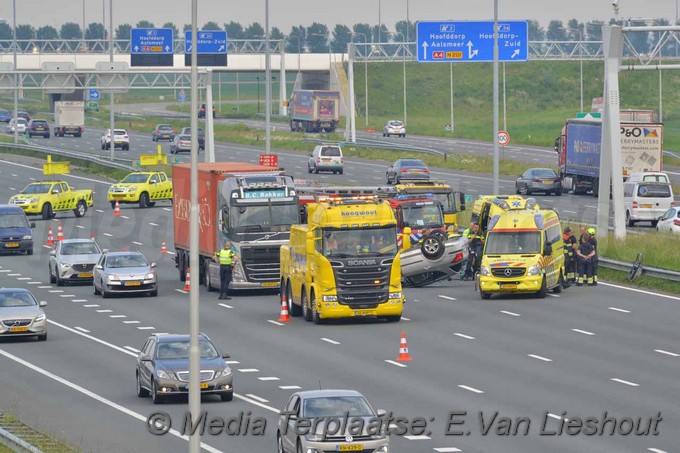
[
  {"x": 92, "y": 236},
  {"x": 50, "y": 237},
  {"x": 187, "y": 285},
  {"x": 164, "y": 249},
  {"x": 404, "y": 356},
  {"x": 60, "y": 233},
  {"x": 116, "y": 210},
  {"x": 284, "y": 310},
  {"x": 123, "y": 249}
]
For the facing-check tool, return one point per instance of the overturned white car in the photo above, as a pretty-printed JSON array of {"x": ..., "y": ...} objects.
[{"x": 436, "y": 257}]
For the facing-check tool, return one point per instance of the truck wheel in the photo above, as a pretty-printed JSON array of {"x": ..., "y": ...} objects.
[
  {"x": 294, "y": 310},
  {"x": 306, "y": 312},
  {"x": 143, "y": 200},
  {"x": 316, "y": 317},
  {"x": 432, "y": 247},
  {"x": 181, "y": 266},
  {"x": 80, "y": 209},
  {"x": 47, "y": 211}
]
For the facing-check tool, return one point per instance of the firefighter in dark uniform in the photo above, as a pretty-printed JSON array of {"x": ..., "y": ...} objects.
[
  {"x": 226, "y": 258},
  {"x": 585, "y": 254},
  {"x": 593, "y": 242},
  {"x": 570, "y": 246},
  {"x": 475, "y": 244}
]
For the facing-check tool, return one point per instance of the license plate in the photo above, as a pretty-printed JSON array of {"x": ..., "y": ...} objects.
[
  {"x": 85, "y": 275},
  {"x": 204, "y": 385},
  {"x": 133, "y": 283},
  {"x": 269, "y": 284},
  {"x": 117, "y": 195},
  {"x": 415, "y": 171},
  {"x": 646, "y": 205},
  {"x": 325, "y": 160},
  {"x": 12, "y": 245},
  {"x": 508, "y": 286},
  {"x": 356, "y": 447},
  {"x": 18, "y": 329},
  {"x": 364, "y": 312},
  {"x": 548, "y": 181}
]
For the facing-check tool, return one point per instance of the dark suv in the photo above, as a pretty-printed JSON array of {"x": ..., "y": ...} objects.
[
  {"x": 38, "y": 127},
  {"x": 201, "y": 111},
  {"x": 201, "y": 136},
  {"x": 163, "y": 368}
]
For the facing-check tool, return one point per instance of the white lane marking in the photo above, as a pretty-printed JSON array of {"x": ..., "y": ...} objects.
[
  {"x": 672, "y": 354},
  {"x": 32, "y": 179},
  {"x": 99, "y": 210},
  {"x": 14, "y": 175},
  {"x": 471, "y": 389},
  {"x": 80, "y": 226},
  {"x": 553, "y": 295},
  {"x": 510, "y": 313},
  {"x": 146, "y": 328},
  {"x": 56, "y": 291},
  {"x": 13, "y": 275},
  {"x": 249, "y": 370},
  {"x": 104, "y": 311},
  {"x": 467, "y": 337},
  {"x": 113, "y": 346},
  {"x": 79, "y": 300},
  {"x": 446, "y": 449},
  {"x": 91, "y": 306},
  {"x": 12, "y": 188},
  {"x": 107, "y": 234},
  {"x": 117, "y": 316},
  {"x": 446, "y": 297},
  {"x": 275, "y": 322},
  {"x": 290, "y": 387},
  {"x": 404, "y": 318},
  {"x": 268, "y": 378},
  {"x": 620, "y": 310},
  {"x": 656, "y": 450},
  {"x": 584, "y": 332},
  {"x": 392, "y": 362},
  {"x": 95, "y": 396},
  {"x": 137, "y": 243},
  {"x": 421, "y": 437},
  {"x": 35, "y": 283},
  {"x": 649, "y": 293},
  {"x": 23, "y": 278},
  {"x": 130, "y": 348},
  {"x": 570, "y": 212},
  {"x": 153, "y": 224},
  {"x": 82, "y": 330},
  {"x": 538, "y": 357},
  {"x": 125, "y": 217},
  {"x": 590, "y": 206},
  {"x": 232, "y": 362},
  {"x": 47, "y": 246},
  {"x": 167, "y": 209},
  {"x": 5, "y": 270},
  {"x": 621, "y": 381},
  {"x": 328, "y": 340},
  {"x": 257, "y": 398},
  {"x": 181, "y": 291},
  {"x": 67, "y": 295},
  {"x": 130, "y": 322},
  {"x": 225, "y": 305},
  {"x": 171, "y": 253},
  {"x": 45, "y": 287}
]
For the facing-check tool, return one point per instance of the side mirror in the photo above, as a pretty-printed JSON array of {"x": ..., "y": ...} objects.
[
  {"x": 53, "y": 253},
  {"x": 381, "y": 412},
  {"x": 32, "y": 225},
  {"x": 145, "y": 358},
  {"x": 153, "y": 265},
  {"x": 226, "y": 356},
  {"x": 43, "y": 303},
  {"x": 99, "y": 267},
  {"x": 54, "y": 192}
]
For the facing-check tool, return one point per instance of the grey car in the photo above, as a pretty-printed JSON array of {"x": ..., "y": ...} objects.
[
  {"x": 162, "y": 132},
  {"x": 307, "y": 406},
  {"x": 163, "y": 368},
  {"x": 538, "y": 180},
  {"x": 180, "y": 143},
  {"x": 21, "y": 314},
  {"x": 201, "y": 136},
  {"x": 436, "y": 258},
  {"x": 407, "y": 169},
  {"x": 124, "y": 273},
  {"x": 73, "y": 260}
]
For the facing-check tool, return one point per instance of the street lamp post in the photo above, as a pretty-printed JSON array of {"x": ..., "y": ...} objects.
[
  {"x": 403, "y": 69},
  {"x": 16, "y": 84},
  {"x": 258, "y": 94}
]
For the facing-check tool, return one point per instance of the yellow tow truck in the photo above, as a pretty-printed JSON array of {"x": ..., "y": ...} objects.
[
  {"x": 45, "y": 198},
  {"x": 344, "y": 262},
  {"x": 141, "y": 187}
]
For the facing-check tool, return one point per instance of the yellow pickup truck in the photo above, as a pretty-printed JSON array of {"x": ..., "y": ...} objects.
[
  {"x": 45, "y": 198},
  {"x": 143, "y": 187}
]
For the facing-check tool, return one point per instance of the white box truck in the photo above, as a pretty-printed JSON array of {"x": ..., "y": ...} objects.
[{"x": 69, "y": 118}]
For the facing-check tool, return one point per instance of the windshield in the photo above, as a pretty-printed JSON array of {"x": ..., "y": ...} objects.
[
  {"x": 180, "y": 350},
  {"x": 136, "y": 178},
  {"x": 80, "y": 248},
  {"x": 654, "y": 190},
  {"x": 37, "y": 188},
  {"x": 164, "y": 126},
  {"x": 412, "y": 163},
  {"x": 353, "y": 406},
  {"x": 396, "y": 123},
  {"x": 126, "y": 261},
  {"x": 264, "y": 217},
  {"x": 426, "y": 216},
  {"x": 543, "y": 173},
  {"x": 13, "y": 221},
  {"x": 17, "y": 299},
  {"x": 513, "y": 243},
  {"x": 119, "y": 132},
  {"x": 359, "y": 242}
]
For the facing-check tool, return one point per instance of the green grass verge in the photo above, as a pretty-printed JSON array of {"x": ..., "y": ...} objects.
[
  {"x": 643, "y": 281},
  {"x": 41, "y": 441}
]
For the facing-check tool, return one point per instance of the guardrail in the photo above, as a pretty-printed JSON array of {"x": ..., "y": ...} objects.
[
  {"x": 15, "y": 443},
  {"x": 365, "y": 143},
  {"x": 117, "y": 162},
  {"x": 646, "y": 270}
]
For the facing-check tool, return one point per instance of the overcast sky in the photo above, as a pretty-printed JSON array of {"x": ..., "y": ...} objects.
[{"x": 286, "y": 13}]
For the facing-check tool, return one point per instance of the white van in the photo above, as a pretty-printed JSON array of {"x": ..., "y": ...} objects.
[
  {"x": 646, "y": 201},
  {"x": 326, "y": 158},
  {"x": 648, "y": 176}
]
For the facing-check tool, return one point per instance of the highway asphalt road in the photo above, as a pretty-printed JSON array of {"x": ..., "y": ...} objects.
[{"x": 584, "y": 352}]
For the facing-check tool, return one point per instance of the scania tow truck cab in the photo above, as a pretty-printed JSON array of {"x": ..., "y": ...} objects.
[
  {"x": 452, "y": 202},
  {"x": 420, "y": 214},
  {"x": 344, "y": 262},
  {"x": 488, "y": 206},
  {"x": 523, "y": 253}
]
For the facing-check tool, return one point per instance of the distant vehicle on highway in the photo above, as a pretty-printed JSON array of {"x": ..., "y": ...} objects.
[
  {"x": 5, "y": 116},
  {"x": 23, "y": 114},
  {"x": 201, "y": 136},
  {"x": 646, "y": 201},
  {"x": 15, "y": 230},
  {"x": 20, "y": 124},
  {"x": 201, "y": 111},
  {"x": 313, "y": 404},
  {"x": 394, "y": 127},
  {"x": 407, "y": 169},
  {"x": 145, "y": 188},
  {"x": 180, "y": 143},
  {"x": 92, "y": 106},
  {"x": 38, "y": 127},
  {"x": 539, "y": 180},
  {"x": 163, "y": 368},
  {"x": 21, "y": 315},
  {"x": 124, "y": 273},
  {"x": 121, "y": 139},
  {"x": 326, "y": 158},
  {"x": 670, "y": 221},
  {"x": 73, "y": 260},
  {"x": 162, "y": 132}
]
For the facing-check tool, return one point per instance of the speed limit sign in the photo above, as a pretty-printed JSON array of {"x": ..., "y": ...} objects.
[{"x": 503, "y": 138}]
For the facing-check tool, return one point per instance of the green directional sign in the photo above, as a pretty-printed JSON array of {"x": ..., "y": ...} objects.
[
  {"x": 468, "y": 198},
  {"x": 589, "y": 115}
]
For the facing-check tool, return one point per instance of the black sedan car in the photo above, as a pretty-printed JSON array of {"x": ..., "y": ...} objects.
[
  {"x": 407, "y": 169},
  {"x": 163, "y": 368},
  {"x": 539, "y": 180}
]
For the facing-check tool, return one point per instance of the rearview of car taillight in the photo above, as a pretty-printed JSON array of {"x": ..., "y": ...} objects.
[
  {"x": 635, "y": 205},
  {"x": 676, "y": 222}
]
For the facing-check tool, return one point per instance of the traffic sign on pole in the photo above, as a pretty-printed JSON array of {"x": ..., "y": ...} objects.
[
  {"x": 211, "y": 47},
  {"x": 182, "y": 96},
  {"x": 94, "y": 94},
  {"x": 471, "y": 41},
  {"x": 503, "y": 138},
  {"x": 151, "y": 47}
]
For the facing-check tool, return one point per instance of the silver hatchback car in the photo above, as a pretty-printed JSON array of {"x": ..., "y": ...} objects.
[
  {"x": 21, "y": 315},
  {"x": 124, "y": 273},
  {"x": 73, "y": 260}
]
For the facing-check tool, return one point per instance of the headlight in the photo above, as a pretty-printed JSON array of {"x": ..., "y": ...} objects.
[
  {"x": 484, "y": 271},
  {"x": 378, "y": 437},
  {"x": 163, "y": 375},
  {"x": 64, "y": 265},
  {"x": 28, "y": 237},
  {"x": 34, "y": 200},
  {"x": 395, "y": 296},
  {"x": 224, "y": 373},
  {"x": 313, "y": 438},
  {"x": 535, "y": 270},
  {"x": 330, "y": 298},
  {"x": 113, "y": 278},
  {"x": 40, "y": 317},
  {"x": 150, "y": 276}
]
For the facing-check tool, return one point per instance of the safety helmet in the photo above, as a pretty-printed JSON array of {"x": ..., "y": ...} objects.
[{"x": 591, "y": 231}]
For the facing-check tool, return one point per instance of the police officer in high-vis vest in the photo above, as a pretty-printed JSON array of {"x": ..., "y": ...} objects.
[{"x": 226, "y": 257}]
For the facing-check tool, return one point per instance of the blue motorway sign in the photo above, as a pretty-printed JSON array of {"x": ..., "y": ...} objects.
[
  {"x": 471, "y": 41},
  {"x": 151, "y": 41},
  {"x": 208, "y": 41},
  {"x": 94, "y": 94}
]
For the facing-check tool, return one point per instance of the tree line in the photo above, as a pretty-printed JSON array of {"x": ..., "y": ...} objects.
[{"x": 318, "y": 38}]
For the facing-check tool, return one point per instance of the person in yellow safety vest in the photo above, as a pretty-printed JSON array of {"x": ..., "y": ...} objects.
[
  {"x": 596, "y": 261},
  {"x": 585, "y": 254},
  {"x": 466, "y": 231},
  {"x": 570, "y": 247},
  {"x": 226, "y": 257},
  {"x": 475, "y": 244}
]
